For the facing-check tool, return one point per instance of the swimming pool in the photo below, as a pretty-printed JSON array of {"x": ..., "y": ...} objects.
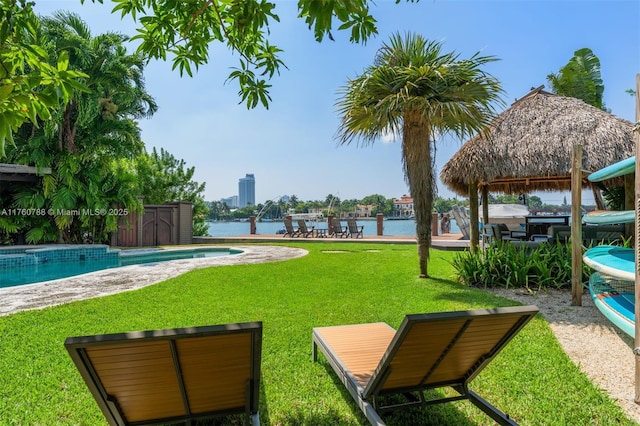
[{"x": 28, "y": 265}]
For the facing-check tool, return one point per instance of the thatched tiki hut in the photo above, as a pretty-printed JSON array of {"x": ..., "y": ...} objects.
[{"x": 529, "y": 148}]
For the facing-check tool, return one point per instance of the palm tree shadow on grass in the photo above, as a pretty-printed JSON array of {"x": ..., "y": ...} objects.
[
  {"x": 445, "y": 414},
  {"x": 463, "y": 297}
]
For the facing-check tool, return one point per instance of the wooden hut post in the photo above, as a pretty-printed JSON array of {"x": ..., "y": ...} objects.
[
  {"x": 485, "y": 204},
  {"x": 636, "y": 345},
  {"x": 474, "y": 237},
  {"x": 576, "y": 226}
]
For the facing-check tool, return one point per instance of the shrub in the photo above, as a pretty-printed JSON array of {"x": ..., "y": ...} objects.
[{"x": 507, "y": 265}]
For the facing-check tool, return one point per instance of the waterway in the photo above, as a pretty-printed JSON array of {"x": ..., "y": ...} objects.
[{"x": 390, "y": 227}]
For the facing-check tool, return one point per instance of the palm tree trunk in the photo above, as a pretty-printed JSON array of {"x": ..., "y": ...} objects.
[
  {"x": 416, "y": 154},
  {"x": 68, "y": 130}
]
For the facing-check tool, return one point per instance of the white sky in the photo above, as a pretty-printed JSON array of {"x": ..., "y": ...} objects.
[{"x": 291, "y": 148}]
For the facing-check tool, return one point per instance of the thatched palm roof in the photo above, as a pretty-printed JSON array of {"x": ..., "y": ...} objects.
[{"x": 529, "y": 146}]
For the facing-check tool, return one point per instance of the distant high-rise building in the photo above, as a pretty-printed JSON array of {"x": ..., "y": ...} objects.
[{"x": 247, "y": 191}]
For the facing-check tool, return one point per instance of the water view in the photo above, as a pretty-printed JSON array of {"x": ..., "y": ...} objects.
[{"x": 391, "y": 227}]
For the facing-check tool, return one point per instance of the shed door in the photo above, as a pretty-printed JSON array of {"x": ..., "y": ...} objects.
[{"x": 164, "y": 226}]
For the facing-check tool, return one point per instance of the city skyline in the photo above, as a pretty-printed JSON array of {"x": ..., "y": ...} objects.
[{"x": 292, "y": 146}]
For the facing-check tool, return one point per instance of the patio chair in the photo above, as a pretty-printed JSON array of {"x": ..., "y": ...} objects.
[
  {"x": 336, "y": 230},
  {"x": 304, "y": 230},
  {"x": 496, "y": 232},
  {"x": 429, "y": 351},
  {"x": 290, "y": 231},
  {"x": 460, "y": 216},
  {"x": 355, "y": 231},
  {"x": 172, "y": 375}
]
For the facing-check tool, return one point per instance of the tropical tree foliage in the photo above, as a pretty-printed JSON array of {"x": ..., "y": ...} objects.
[
  {"x": 84, "y": 140},
  {"x": 184, "y": 30},
  {"x": 116, "y": 83},
  {"x": 532, "y": 201},
  {"x": 32, "y": 85},
  {"x": 380, "y": 204},
  {"x": 163, "y": 179},
  {"x": 180, "y": 30},
  {"x": 218, "y": 210},
  {"x": 442, "y": 205},
  {"x": 580, "y": 78},
  {"x": 415, "y": 90}
]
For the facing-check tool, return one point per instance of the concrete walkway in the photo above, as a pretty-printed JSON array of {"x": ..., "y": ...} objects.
[{"x": 111, "y": 281}]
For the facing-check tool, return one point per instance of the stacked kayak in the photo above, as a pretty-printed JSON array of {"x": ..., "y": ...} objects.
[
  {"x": 606, "y": 217},
  {"x": 616, "y": 301},
  {"x": 612, "y": 285}
]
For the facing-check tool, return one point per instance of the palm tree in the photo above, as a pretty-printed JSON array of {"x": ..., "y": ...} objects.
[
  {"x": 416, "y": 91},
  {"x": 580, "y": 78},
  {"x": 115, "y": 83}
]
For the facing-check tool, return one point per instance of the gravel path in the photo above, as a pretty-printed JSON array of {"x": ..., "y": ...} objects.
[{"x": 590, "y": 340}]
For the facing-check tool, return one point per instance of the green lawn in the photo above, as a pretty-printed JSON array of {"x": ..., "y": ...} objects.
[{"x": 532, "y": 379}]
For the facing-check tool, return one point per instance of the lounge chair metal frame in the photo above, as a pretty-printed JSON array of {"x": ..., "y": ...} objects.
[
  {"x": 443, "y": 350},
  {"x": 216, "y": 372}
]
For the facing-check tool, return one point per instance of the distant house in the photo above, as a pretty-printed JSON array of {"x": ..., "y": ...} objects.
[
  {"x": 361, "y": 211},
  {"x": 364, "y": 210},
  {"x": 318, "y": 211},
  {"x": 403, "y": 208}
]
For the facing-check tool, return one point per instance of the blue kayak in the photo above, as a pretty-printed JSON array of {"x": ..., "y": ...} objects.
[
  {"x": 620, "y": 168},
  {"x": 613, "y": 261},
  {"x": 616, "y": 301}
]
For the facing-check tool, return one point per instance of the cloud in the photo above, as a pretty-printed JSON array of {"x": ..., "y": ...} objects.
[{"x": 390, "y": 137}]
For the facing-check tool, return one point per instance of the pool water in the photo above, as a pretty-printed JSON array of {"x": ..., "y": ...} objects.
[{"x": 51, "y": 263}]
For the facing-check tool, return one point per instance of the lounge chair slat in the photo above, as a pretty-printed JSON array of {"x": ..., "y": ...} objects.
[
  {"x": 125, "y": 376},
  {"x": 413, "y": 360},
  {"x": 216, "y": 370},
  {"x": 359, "y": 347}
]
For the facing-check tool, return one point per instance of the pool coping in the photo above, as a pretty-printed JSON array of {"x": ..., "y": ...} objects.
[{"x": 132, "y": 277}]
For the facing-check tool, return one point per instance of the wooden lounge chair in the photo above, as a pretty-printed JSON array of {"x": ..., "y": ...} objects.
[
  {"x": 173, "y": 375},
  {"x": 290, "y": 231},
  {"x": 336, "y": 230},
  {"x": 355, "y": 231},
  {"x": 304, "y": 230},
  {"x": 429, "y": 351}
]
